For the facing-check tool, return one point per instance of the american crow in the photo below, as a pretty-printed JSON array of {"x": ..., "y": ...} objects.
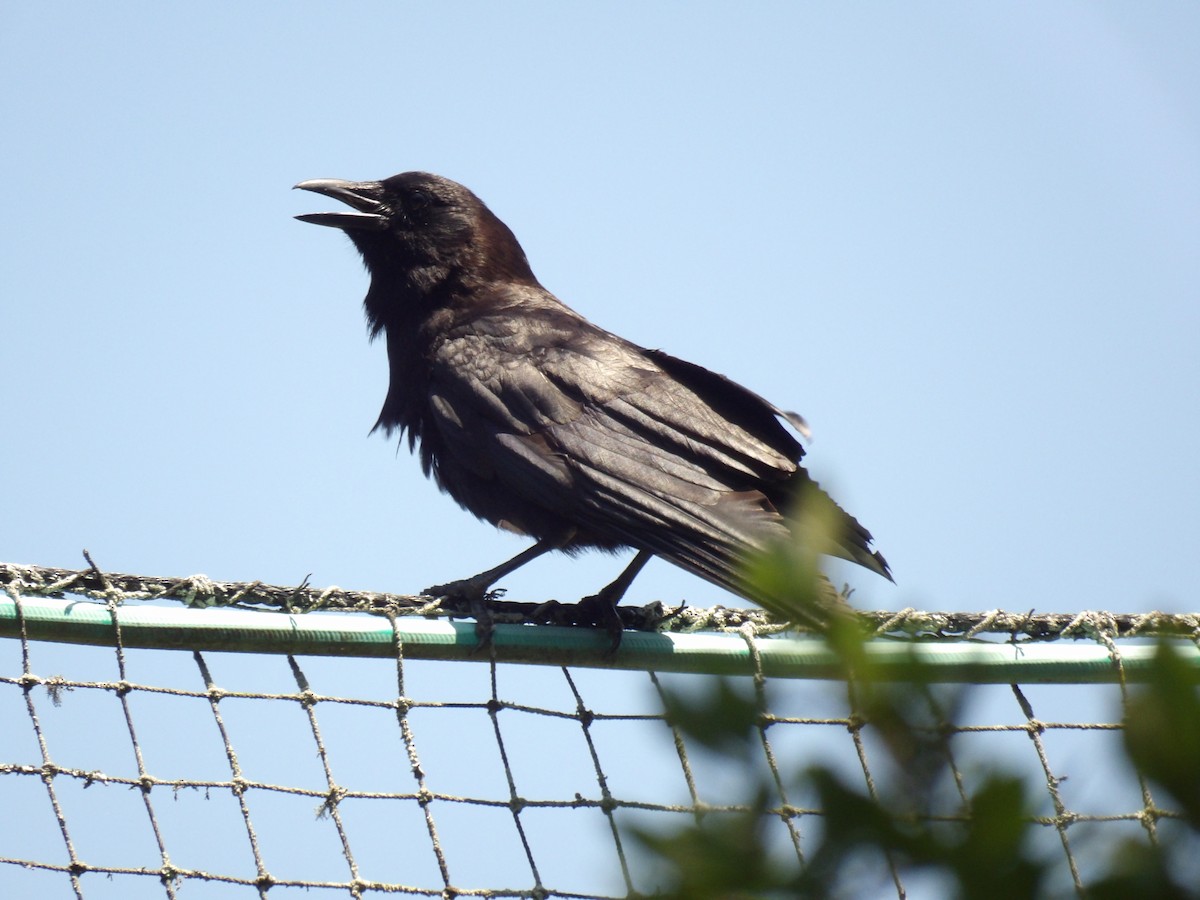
[{"x": 538, "y": 421}]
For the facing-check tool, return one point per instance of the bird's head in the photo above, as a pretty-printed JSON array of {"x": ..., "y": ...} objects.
[{"x": 422, "y": 237}]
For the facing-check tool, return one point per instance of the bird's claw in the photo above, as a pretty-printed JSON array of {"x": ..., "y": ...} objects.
[
  {"x": 548, "y": 612},
  {"x": 471, "y": 598},
  {"x": 600, "y": 611}
]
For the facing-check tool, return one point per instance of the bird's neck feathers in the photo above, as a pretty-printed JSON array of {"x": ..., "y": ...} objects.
[
  {"x": 415, "y": 279},
  {"x": 423, "y": 290}
]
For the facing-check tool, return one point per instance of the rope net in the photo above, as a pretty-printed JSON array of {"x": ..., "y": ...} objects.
[{"x": 129, "y": 772}]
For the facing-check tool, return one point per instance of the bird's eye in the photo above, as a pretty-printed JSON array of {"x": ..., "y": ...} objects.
[{"x": 419, "y": 200}]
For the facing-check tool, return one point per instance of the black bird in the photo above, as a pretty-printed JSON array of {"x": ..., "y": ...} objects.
[{"x": 540, "y": 422}]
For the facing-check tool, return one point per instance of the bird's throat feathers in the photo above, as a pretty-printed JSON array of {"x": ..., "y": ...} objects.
[
  {"x": 400, "y": 299},
  {"x": 415, "y": 273}
]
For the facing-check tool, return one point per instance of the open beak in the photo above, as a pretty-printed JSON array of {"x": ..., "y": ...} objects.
[{"x": 366, "y": 197}]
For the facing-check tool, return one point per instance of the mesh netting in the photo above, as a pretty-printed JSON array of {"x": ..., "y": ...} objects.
[{"x": 129, "y": 772}]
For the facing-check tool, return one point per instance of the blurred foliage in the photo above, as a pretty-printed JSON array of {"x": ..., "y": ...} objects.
[
  {"x": 726, "y": 855},
  {"x": 788, "y": 575},
  {"x": 908, "y": 829},
  {"x": 1162, "y": 738},
  {"x": 1162, "y": 732}
]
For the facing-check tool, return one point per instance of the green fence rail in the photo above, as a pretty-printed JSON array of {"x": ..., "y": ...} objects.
[{"x": 364, "y": 635}]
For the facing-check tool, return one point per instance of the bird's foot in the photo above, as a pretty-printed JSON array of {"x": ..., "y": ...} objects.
[
  {"x": 595, "y": 611},
  {"x": 600, "y": 610},
  {"x": 548, "y": 612},
  {"x": 470, "y": 596}
]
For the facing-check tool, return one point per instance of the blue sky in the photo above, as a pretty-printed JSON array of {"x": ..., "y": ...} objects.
[{"x": 961, "y": 240}]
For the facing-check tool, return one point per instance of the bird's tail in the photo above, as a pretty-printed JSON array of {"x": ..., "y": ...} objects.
[
  {"x": 775, "y": 562},
  {"x": 840, "y": 532}
]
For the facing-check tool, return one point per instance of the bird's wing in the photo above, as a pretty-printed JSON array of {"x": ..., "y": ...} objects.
[{"x": 633, "y": 446}]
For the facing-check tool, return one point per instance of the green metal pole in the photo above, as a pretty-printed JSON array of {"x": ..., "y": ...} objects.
[{"x": 363, "y": 635}]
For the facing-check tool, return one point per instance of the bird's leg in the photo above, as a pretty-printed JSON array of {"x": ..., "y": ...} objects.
[
  {"x": 601, "y": 607},
  {"x": 474, "y": 590}
]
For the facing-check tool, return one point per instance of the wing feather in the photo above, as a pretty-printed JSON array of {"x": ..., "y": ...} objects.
[{"x": 635, "y": 446}]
